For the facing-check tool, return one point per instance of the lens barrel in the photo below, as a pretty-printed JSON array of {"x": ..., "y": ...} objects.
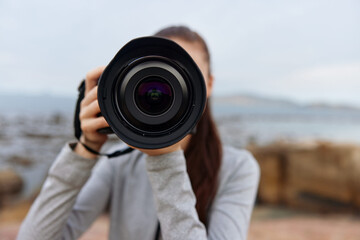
[{"x": 152, "y": 93}]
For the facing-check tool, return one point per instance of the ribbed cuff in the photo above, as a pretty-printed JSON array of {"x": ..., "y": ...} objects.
[
  {"x": 71, "y": 168},
  {"x": 165, "y": 161}
]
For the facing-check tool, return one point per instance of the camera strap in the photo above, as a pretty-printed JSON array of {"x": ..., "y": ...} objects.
[
  {"x": 78, "y": 132},
  {"x": 157, "y": 233}
]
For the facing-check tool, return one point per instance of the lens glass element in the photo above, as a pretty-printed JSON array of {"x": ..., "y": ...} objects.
[{"x": 154, "y": 95}]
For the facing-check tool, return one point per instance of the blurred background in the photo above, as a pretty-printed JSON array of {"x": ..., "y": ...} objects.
[{"x": 287, "y": 88}]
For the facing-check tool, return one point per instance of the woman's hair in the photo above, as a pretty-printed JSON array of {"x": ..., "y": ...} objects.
[{"x": 204, "y": 152}]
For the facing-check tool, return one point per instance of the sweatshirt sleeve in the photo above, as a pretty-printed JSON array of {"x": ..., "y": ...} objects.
[
  {"x": 232, "y": 207},
  {"x": 229, "y": 216},
  {"x": 53, "y": 214},
  {"x": 174, "y": 197}
]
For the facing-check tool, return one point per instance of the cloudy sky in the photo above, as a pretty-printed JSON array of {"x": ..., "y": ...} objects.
[{"x": 307, "y": 51}]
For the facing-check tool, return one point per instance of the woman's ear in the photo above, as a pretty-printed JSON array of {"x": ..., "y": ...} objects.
[{"x": 209, "y": 85}]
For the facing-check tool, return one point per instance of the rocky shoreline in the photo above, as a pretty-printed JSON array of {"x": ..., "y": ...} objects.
[{"x": 310, "y": 176}]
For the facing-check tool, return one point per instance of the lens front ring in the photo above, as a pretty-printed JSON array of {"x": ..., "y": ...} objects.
[{"x": 126, "y": 89}]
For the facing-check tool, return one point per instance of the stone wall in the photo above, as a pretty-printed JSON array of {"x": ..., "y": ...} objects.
[{"x": 315, "y": 176}]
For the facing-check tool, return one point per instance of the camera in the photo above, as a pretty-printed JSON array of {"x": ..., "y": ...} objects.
[{"x": 152, "y": 93}]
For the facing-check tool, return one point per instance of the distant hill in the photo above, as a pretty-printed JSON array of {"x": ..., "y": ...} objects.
[{"x": 252, "y": 100}]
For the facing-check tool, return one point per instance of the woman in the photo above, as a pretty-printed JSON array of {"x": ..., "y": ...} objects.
[{"x": 195, "y": 189}]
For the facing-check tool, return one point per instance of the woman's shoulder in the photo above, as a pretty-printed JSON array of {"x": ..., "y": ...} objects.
[
  {"x": 238, "y": 164},
  {"x": 238, "y": 158}
]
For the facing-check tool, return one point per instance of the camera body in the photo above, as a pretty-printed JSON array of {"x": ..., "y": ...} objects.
[{"x": 152, "y": 94}]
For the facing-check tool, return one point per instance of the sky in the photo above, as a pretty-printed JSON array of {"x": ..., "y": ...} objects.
[{"x": 305, "y": 51}]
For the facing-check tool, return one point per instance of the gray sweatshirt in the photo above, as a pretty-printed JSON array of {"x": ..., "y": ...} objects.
[{"x": 140, "y": 191}]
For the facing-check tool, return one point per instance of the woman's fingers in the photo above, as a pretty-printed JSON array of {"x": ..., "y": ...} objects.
[
  {"x": 89, "y": 97},
  {"x": 91, "y": 125},
  {"x": 92, "y": 78},
  {"x": 90, "y": 111},
  {"x": 90, "y": 122},
  {"x": 91, "y": 137}
]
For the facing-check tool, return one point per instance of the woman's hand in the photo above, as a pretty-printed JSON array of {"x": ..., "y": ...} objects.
[
  {"x": 89, "y": 119},
  {"x": 91, "y": 122}
]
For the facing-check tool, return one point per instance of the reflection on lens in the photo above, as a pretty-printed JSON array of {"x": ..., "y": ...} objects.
[{"x": 153, "y": 96}]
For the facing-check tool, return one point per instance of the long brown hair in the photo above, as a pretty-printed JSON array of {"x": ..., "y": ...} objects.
[{"x": 204, "y": 152}]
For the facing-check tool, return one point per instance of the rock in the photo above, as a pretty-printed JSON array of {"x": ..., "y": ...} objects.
[
  {"x": 57, "y": 119},
  {"x": 318, "y": 177},
  {"x": 38, "y": 135},
  {"x": 10, "y": 182},
  {"x": 20, "y": 160}
]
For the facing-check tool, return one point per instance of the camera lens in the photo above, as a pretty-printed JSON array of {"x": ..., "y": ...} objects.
[{"x": 154, "y": 95}]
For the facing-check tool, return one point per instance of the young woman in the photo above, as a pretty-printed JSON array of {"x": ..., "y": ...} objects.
[{"x": 196, "y": 189}]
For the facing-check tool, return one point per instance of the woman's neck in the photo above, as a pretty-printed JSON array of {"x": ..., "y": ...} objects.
[{"x": 185, "y": 142}]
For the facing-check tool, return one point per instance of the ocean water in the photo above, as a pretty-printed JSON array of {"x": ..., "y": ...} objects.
[{"x": 266, "y": 124}]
